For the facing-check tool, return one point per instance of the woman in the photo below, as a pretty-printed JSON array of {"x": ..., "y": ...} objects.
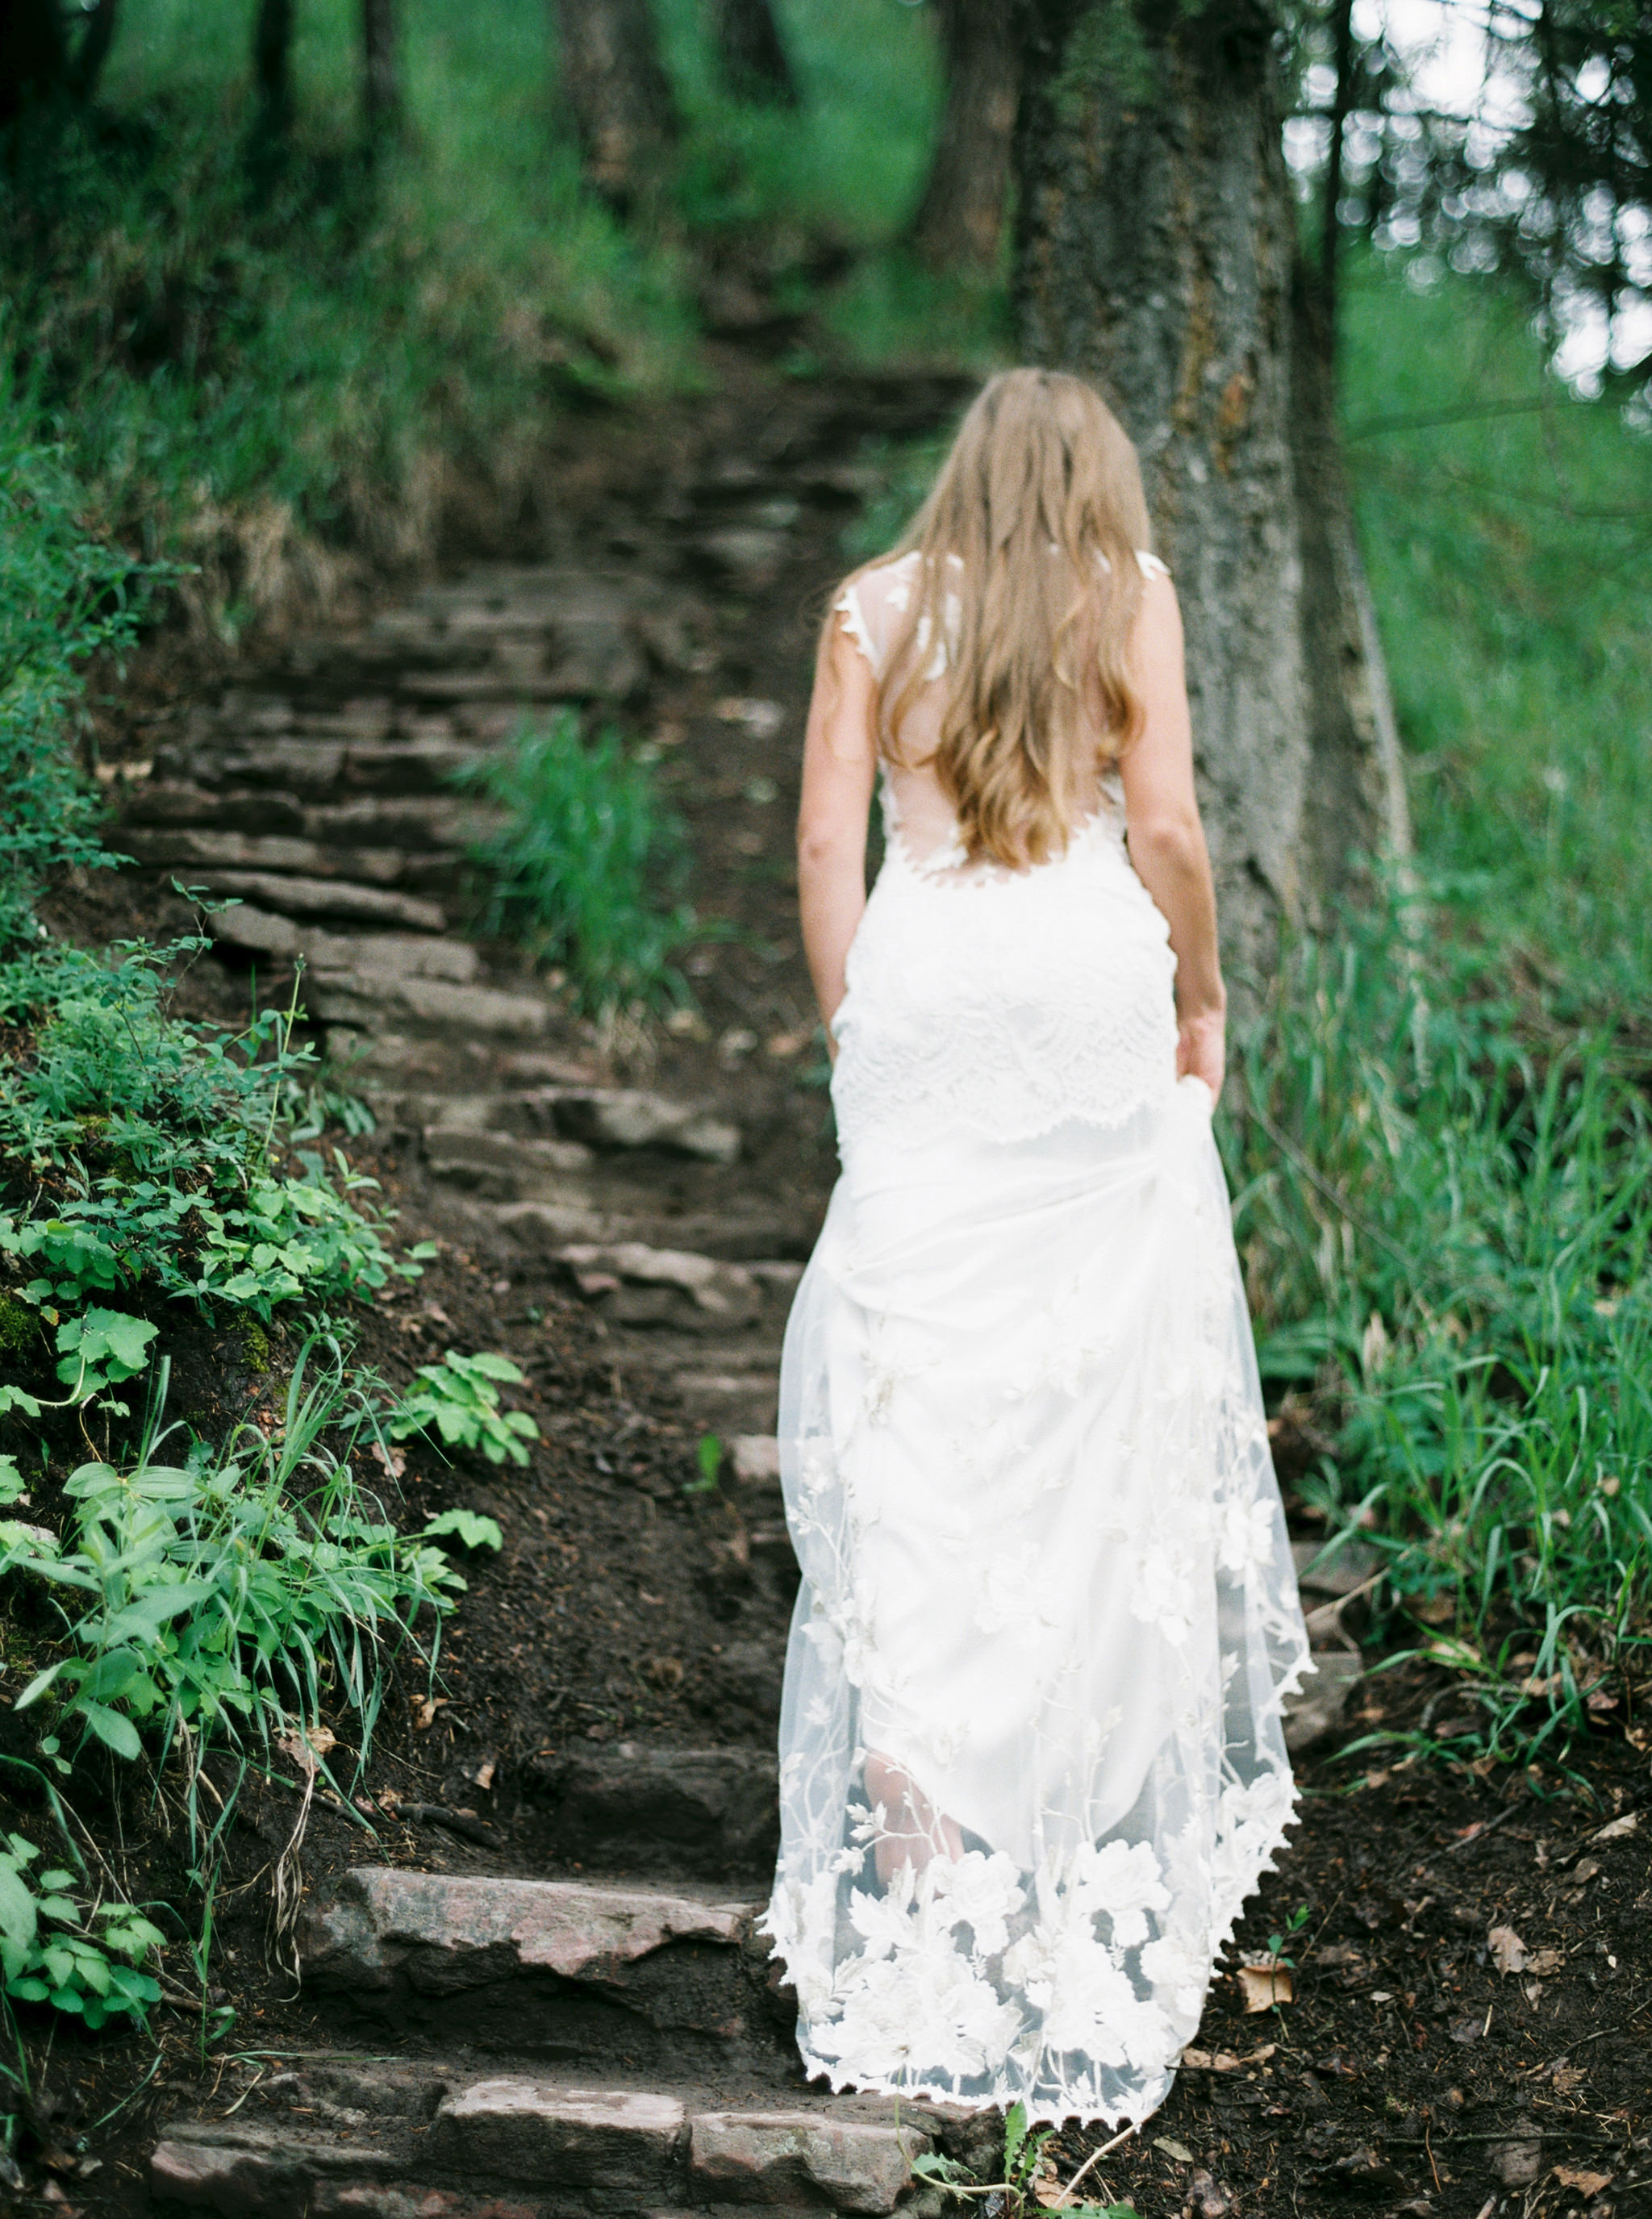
[{"x": 1032, "y": 1757}]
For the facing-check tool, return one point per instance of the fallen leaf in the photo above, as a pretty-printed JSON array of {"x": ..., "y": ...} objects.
[
  {"x": 1337, "y": 1953},
  {"x": 1179, "y": 2151},
  {"x": 1363, "y": 2168},
  {"x": 305, "y": 1748},
  {"x": 1620, "y": 1829},
  {"x": 1585, "y": 1871},
  {"x": 424, "y": 1710},
  {"x": 1265, "y": 1984},
  {"x": 1207, "y": 2197},
  {"x": 395, "y": 1461},
  {"x": 1579, "y": 2177},
  {"x": 482, "y": 1777},
  {"x": 1047, "y": 2189},
  {"x": 1509, "y": 1952},
  {"x": 1546, "y": 1962}
]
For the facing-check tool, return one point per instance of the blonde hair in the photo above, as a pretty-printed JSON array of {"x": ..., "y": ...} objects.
[{"x": 1041, "y": 500}]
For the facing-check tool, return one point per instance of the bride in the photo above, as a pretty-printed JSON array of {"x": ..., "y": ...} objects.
[{"x": 1032, "y": 1754}]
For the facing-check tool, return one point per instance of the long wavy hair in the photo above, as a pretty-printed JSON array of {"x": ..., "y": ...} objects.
[{"x": 1041, "y": 500}]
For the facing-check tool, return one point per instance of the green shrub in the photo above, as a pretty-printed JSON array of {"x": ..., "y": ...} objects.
[
  {"x": 577, "y": 871},
  {"x": 1446, "y": 1224},
  {"x": 247, "y": 1586},
  {"x": 64, "y": 597},
  {"x": 140, "y": 1152},
  {"x": 458, "y": 1398},
  {"x": 86, "y": 1962}
]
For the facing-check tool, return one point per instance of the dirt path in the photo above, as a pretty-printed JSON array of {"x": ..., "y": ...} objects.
[{"x": 538, "y": 1990}]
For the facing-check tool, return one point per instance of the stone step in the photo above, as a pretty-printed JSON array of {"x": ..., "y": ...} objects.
[
  {"x": 628, "y": 1807},
  {"x": 325, "y": 2136},
  {"x": 630, "y": 1283},
  {"x": 187, "y": 849},
  {"x": 500, "y": 1168},
  {"x": 604, "y": 1976},
  {"x": 322, "y": 770},
  {"x": 359, "y": 1002},
  {"x": 339, "y": 898},
  {"x": 727, "y": 1235},
  {"x": 383, "y": 954},
  {"x": 626, "y": 1117},
  {"x": 176, "y": 802}
]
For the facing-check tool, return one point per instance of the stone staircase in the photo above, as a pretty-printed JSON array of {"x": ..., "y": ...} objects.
[
  {"x": 505, "y": 2049},
  {"x": 555, "y": 2047}
]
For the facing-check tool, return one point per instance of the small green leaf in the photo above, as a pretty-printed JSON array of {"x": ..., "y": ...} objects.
[
  {"x": 493, "y": 1367},
  {"x": 473, "y": 1529},
  {"x": 115, "y": 1732}
]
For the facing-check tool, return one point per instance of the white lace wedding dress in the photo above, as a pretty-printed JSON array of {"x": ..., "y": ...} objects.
[{"x": 1031, "y": 1756}]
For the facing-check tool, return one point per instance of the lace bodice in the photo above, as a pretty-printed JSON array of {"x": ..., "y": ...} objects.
[{"x": 1004, "y": 1003}]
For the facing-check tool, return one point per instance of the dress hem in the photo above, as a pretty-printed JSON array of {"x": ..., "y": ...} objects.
[{"x": 844, "y": 2084}]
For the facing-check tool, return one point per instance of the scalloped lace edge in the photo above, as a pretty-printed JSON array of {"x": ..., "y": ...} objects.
[{"x": 1042, "y": 2114}]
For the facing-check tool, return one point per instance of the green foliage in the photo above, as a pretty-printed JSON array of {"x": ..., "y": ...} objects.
[
  {"x": 64, "y": 597},
  {"x": 240, "y": 350},
  {"x": 1444, "y": 1182},
  {"x": 1015, "y": 2196},
  {"x": 459, "y": 1399},
  {"x": 574, "y": 871},
  {"x": 88, "y": 1963},
  {"x": 143, "y": 1149},
  {"x": 228, "y": 1592},
  {"x": 468, "y": 1527},
  {"x": 1506, "y": 528},
  {"x": 848, "y": 161}
]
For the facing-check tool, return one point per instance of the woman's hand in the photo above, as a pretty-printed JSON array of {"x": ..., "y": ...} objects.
[{"x": 1201, "y": 1050}]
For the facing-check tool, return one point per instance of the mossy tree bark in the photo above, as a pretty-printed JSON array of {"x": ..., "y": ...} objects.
[
  {"x": 619, "y": 95},
  {"x": 40, "y": 60},
  {"x": 751, "y": 53},
  {"x": 1157, "y": 254},
  {"x": 381, "y": 72},
  {"x": 272, "y": 68},
  {"x": 960, "y": 221}
]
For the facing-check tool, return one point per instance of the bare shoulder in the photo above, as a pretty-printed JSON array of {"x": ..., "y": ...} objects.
[{"x": 1157, "y": 631}]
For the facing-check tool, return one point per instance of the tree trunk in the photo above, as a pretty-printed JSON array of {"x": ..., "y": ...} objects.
[
  {"x": 272, "y": 60},
  {"x": 1342, "y": 52},
  {"x": 620, "y": 97},
  {"x": 381, "y": 80},
  {"x": 33, "y": 62},
  {"x": 959, "y": 220},
  {"x": 93, "y": 50},
  {"x": 1157, "y": 254},
  {"x": 751, "y": 53}
]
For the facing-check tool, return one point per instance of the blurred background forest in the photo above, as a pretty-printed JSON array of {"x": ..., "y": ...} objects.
[{"x": 296, "y": 294}]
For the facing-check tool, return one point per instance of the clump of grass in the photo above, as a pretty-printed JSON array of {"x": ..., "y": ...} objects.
[
  {"x": 583, "y": 869},
  {"x": 1446, "y": 1224}
]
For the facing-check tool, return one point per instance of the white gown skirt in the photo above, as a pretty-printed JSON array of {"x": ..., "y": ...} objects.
[{"x": 1032, "y": 1752}]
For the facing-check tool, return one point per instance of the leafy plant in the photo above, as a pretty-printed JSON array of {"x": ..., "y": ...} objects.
[
  {"x": 470, "y": 1528},
  {"x": 459, "y": 1398},
  {"x": 150, "y": 1150},
  {"x": 230, "y": 1592},
  {"x": 65, "y": 596},
  {"x": 88, "y": 1963},
  {"x": 574, "y": 869},
  {"x": 1027, "y": 2186}
]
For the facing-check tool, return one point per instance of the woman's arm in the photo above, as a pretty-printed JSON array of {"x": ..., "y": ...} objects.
[
  {"x": 1167, "y": 841},
  {"x": 840, "y": 761}
]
